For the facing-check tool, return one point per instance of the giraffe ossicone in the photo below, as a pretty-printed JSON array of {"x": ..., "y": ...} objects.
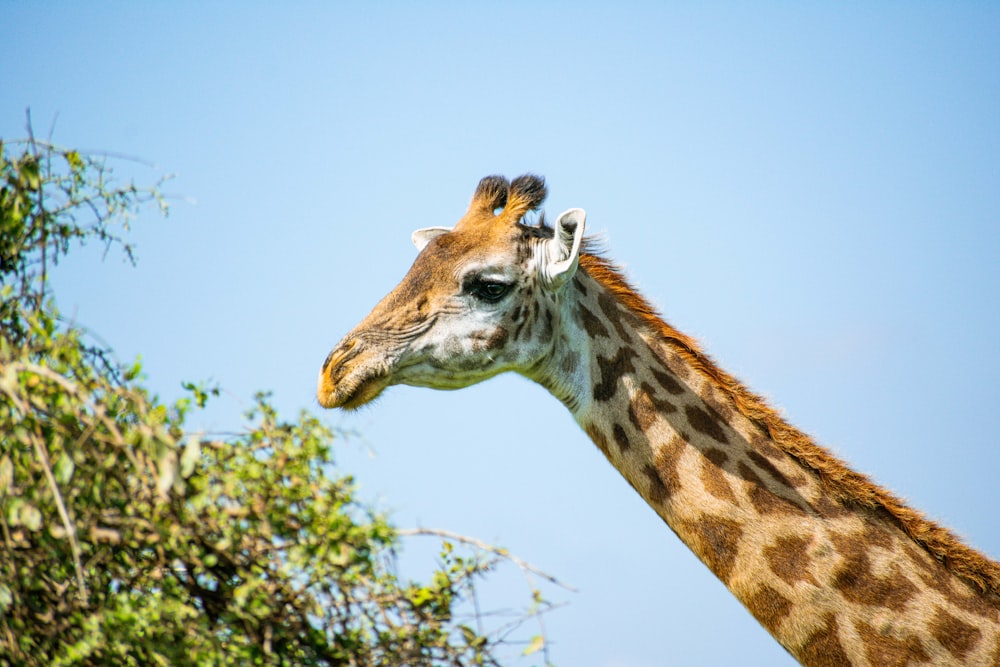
[{"x": 839, "y": 570}]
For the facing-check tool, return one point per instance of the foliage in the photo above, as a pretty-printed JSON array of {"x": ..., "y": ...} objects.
[
  {"x": 49, "y": 198},
  {"x": 128, "y": 541}
]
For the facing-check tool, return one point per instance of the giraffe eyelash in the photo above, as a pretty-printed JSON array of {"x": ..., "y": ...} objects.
[{"x": 485, "y": 289}]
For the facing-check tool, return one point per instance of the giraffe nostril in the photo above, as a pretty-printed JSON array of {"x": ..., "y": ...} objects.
[{"x": 341, "y": 353}]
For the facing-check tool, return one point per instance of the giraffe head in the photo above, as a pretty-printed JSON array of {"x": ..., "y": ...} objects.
[{"x": 480, "y": 299}]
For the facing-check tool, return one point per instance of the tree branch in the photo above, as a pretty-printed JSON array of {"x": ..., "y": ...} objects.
[{"x": 485, "y": 546}]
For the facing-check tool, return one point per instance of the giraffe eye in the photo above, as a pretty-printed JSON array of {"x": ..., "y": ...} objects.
[{"x": 488, "y": 290}]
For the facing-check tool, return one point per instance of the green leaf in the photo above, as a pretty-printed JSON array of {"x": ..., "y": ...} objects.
[
  {"x": 63, "y": 469},
  {"x": 536, "y": 645},
  {"x": 421, "y": 596},
  {"x": 74, "y": 160},
  {"x": 468, "y": 634},
  {"x": 23, "y": 513},
  {"x": 133, "y": 371},
  {"x": 29, "y": 173}
]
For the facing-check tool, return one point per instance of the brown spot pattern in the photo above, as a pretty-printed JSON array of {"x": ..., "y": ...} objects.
[
  {"x": 612, "y": 370},
  {"x": 717, "y": 541},
  {"x": 665, "y": 459},
  {"x": 522, "y": 328},
  {"x": 724, "y": 410},
  {"x": 641, "y": 412},
  {"x": 668, "y": 382},
  {"x": 610, "y": 309},
  {"x": 769, "y": 607},
  {"x": 687, "y": 362},
  {"x": 824, "y": 647},
  {"x": 789, "y": 559},
  {"x": 645, "y": 406},
  {"x": 716, "y": 456},
  {"x": 856, "y": 581},
  {"x": 661, "y": 403},
  {"x": 591, "y": 323},
  {"x": 748, "y": 474},
  {"x": 934, "y": 575},
  {"x": 829, "y": 508},
  {"x": 713, "y": 478},
  {"x": 954, "y": 634},
  {"x": 761, "y": 462},
  {"x": 763, "y": 499},
  {"x": 888, "y": 651},
  {"x": 705, "y": 423},
  {"x": 658, "y": 491},
  {"x": 534, "y": 310},
  {"x": 498, "y": 339},
  {"x": 875, "y": 536},
  {"x": 766, "y": 447},
  {"x": 621, "y": 438},
  {"x": 547, "y": 326}
]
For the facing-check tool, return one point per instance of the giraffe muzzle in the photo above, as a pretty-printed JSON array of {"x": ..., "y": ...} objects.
[{"x": 350, "y": 377}]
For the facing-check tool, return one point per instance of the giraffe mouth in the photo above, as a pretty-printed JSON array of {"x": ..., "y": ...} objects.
[
  {"x": 364, "y": 391},
  {"x": 347, "y": 381},
  {"x": 350, "y": 393}
]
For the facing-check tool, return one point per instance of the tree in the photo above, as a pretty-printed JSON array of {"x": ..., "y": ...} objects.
[{"x": 128, "y": 541}]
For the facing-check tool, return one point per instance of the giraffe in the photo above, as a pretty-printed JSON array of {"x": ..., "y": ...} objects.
[{"x": 837, "y": 569}]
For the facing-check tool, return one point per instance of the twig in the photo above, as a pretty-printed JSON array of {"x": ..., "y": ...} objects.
[
  {"x": 485, "y": 546},
  {"x": 43, "y": 456}
]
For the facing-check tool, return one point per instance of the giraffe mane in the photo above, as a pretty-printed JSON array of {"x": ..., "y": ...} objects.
[{"x": 847, "y": 484}]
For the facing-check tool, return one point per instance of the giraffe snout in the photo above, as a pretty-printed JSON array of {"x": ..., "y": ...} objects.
[
  {"x": 332, "y": 372},
  {"x": 349, "y": 378}
]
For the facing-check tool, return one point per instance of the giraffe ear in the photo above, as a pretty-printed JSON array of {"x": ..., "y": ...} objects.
[
  {"x": 564, "y": 247},
  {"x": 422, "y": 237}
]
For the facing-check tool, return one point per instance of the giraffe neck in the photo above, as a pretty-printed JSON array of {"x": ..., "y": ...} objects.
[{"x": 822, "y": 557}]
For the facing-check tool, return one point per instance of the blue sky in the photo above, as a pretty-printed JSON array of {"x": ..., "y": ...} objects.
[{"x": 810, "y": 189}]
